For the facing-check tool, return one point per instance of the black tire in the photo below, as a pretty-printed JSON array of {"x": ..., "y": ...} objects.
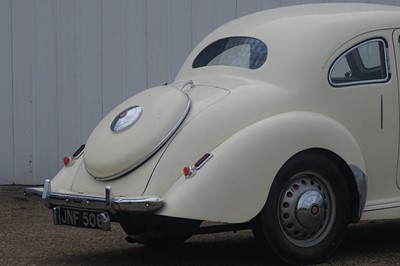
[{"x": 307, "y": 210}]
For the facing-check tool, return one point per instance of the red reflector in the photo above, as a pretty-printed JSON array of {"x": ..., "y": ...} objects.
[
  {"x": 68, "y": 161},
  {"x": 186, "y": 170}
]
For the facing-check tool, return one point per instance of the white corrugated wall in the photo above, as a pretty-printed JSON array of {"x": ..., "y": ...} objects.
[{"x": 65, "y": 63}]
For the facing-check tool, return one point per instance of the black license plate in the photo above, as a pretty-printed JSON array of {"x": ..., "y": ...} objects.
[{"x": 78, "y": 217}]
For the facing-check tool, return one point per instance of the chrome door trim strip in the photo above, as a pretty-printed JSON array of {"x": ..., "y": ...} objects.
[{"x": 382, "y": 206}]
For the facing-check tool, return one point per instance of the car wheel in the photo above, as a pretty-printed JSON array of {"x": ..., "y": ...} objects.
[{"x": 306, "y": 213}]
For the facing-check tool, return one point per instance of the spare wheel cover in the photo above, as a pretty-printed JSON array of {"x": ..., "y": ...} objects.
[{"x": 135, "y": 130}]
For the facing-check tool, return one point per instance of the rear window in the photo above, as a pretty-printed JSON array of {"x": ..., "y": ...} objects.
[{"x": 244, "y": 52}]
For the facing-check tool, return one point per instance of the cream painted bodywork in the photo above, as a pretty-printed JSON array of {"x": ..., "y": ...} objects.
[{"x": 253, "y": 121}]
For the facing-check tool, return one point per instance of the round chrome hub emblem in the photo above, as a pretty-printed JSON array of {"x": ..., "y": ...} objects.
[
  {"x": 126, "y": 118},
  {"x": 314, "y": 210}
]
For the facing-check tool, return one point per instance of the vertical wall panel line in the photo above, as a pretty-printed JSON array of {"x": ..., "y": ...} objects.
[
  {"x": 102, "y": 59},
  {"x": 34, "y": 109},
  {"x": 12, "y": 93},
  {"x": 7, "y": 176},
  {"x": 123, "y": 51},
  {"x": 55, "y": 10}
]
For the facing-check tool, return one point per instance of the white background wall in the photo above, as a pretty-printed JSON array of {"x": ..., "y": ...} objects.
[{"x": 65, "y": 63}]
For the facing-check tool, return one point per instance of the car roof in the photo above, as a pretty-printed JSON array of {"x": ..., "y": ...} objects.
[
  {"x": 304, "y": 33},
  {"x": 317, "y": 18}
]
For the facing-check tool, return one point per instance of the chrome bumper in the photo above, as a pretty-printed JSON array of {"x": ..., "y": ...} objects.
[{"x": 106, "y": 203}]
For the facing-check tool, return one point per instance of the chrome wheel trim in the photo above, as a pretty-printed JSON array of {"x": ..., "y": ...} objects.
[{"x": 306, "y": 209}]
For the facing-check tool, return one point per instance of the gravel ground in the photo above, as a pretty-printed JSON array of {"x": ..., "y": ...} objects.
[{"x": 28, "y": 237}]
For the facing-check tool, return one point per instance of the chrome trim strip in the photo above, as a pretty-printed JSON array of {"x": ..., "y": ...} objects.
[
  {"x": 173, "y": 130},
  {"x": 106, "y": 203},
  {"x": 382, "y": 206},
  {"x": 382, "y": 108},
  {"x": 154, "y": 150}
]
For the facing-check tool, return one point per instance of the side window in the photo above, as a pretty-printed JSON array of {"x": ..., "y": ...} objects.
[{"x": 362, "y": 64}]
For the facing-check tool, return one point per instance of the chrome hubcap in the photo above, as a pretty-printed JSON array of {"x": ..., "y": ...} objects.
[
  {"x": 311, "y": 209},
  {"x": 305, "y": 209}
]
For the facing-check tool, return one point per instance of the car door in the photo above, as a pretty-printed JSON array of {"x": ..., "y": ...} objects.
[
  {"x": 396, "y": 64},
  {"x": 366, "y": 76}
]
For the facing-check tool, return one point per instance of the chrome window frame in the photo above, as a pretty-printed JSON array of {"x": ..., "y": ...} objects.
[{"x": 362, "y": 82}]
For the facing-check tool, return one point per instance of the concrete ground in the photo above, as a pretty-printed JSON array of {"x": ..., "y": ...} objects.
[{"x": 28, "y": 237}]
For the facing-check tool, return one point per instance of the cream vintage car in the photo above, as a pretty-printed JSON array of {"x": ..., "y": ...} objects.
[{"x": 285, "y": 121}]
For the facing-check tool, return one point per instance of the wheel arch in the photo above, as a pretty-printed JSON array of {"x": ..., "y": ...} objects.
[{"x": 235, "y": 183}]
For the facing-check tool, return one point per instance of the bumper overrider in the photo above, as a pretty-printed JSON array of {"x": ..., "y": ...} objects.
[{"x": 108, "y": 203}]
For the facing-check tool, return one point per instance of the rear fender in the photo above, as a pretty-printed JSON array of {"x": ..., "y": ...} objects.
[{"x": 234, "y": 184}]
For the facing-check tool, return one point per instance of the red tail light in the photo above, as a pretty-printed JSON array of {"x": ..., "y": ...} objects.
[
  {"x": 190, "y": 171},
  {"x": 68, "y": 161},
  {"x": 186, "y": 170}
]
